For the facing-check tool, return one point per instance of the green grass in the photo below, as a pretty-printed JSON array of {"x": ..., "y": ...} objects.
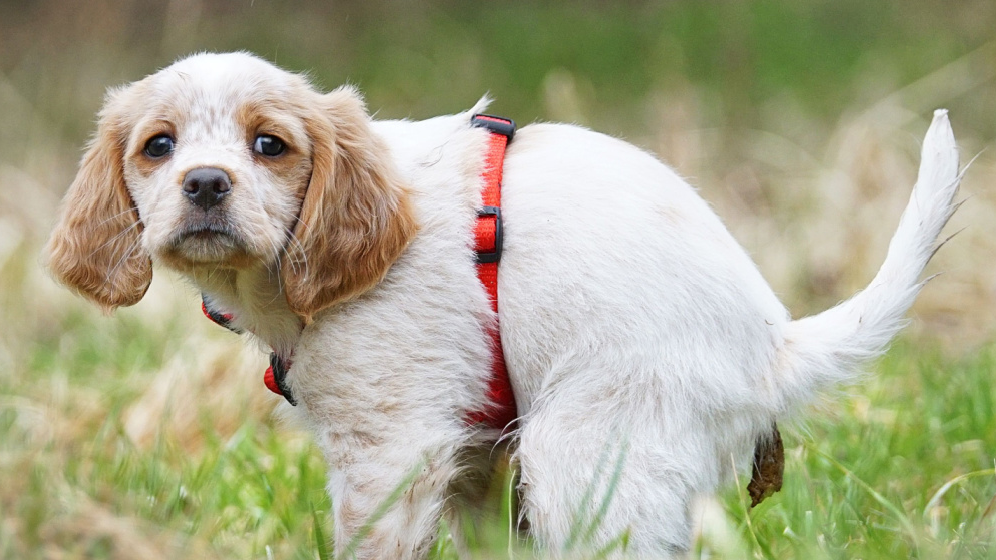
[
  {"x": 905, "y": 470},
  {"x": 901, "y": 468}
]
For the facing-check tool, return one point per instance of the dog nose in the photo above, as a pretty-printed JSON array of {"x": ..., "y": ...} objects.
[{"x": 206, "y": 186}]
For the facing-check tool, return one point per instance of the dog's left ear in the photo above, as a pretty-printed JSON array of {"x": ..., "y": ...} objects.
[{"x": 356, "y": 217}]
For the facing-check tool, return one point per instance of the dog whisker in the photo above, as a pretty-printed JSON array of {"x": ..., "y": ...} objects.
[{"x": 114, "y": 238}]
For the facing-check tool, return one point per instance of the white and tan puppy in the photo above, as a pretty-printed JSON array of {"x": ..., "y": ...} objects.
[{"x": 639, "y": 336}]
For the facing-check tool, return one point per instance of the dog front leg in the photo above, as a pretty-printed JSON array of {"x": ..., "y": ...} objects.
[{"x": 387, "y": 491}]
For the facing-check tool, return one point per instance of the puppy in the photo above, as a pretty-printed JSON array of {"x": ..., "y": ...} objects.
[{"x": 643, "y": 346}]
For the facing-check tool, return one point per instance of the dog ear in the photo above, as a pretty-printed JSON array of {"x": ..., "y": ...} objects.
[
  {"x": 356, "y": 217},
  {"x": 95, "y": 247}
]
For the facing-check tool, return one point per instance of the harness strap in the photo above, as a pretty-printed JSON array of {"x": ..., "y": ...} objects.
[{"x": 500, "y": 411}]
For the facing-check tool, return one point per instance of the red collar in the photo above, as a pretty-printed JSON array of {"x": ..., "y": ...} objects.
[
  {"x": 500, "y": 411},
  {"x": 275, "y": 376}
]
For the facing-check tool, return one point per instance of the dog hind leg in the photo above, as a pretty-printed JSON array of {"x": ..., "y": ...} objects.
[{"x": 587, "y": 484}]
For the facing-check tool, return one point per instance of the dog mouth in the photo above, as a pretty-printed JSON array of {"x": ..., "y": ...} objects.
[{"x": 207, "y": 243}]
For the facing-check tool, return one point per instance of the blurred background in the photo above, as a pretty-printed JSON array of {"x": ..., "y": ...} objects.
[{"x": 799, "y": 120}]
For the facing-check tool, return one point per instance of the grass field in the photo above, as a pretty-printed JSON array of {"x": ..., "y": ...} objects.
[
  {"x": 903, "y": 467},
  {"x": 149, "y": 434}
]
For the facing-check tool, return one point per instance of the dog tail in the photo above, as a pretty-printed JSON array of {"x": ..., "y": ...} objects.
[{"x": 829, "y": 348}]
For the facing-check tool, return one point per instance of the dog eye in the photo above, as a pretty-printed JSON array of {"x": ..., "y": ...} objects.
[
  {"x": 269, "y": 145},
  {"x": 159, "y": 146}
]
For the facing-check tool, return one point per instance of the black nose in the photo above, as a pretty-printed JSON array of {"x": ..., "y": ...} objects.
[{"x": 206, "y": 186}]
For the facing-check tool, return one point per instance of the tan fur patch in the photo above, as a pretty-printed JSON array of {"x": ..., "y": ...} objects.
[
  {"x": 95, "y": 247},
  {"x": 356, "y": 217}
]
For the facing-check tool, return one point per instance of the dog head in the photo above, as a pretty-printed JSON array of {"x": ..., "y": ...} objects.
[{"x": 223, "y": 161}]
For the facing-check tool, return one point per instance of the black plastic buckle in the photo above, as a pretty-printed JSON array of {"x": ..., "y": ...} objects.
[
  {"x": 501, "y": 125},
  {"x": 495, "y": 255}
]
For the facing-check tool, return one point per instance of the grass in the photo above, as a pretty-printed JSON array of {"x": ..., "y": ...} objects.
[
  {"x": 906, "y": 469},
  {"x": 903, "y": 467},
  {"x": 76, "y": 482}
]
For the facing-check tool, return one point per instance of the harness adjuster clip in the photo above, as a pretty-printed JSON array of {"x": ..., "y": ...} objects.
[
  {"x": 493, "y": 256},
  {"x": 500, "y": 125}
]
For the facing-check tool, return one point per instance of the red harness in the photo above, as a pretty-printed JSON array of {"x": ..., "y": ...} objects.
[{"x": 500, "y": 411}]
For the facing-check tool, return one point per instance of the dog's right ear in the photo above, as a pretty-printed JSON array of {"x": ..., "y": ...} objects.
[{"x": 95, "y": 248}]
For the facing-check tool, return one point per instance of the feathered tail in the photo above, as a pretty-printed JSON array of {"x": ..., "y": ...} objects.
[{"x": 829, "y": 348}]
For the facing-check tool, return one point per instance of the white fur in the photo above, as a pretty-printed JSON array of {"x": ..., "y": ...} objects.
[{"x": 637, "y": 333}]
